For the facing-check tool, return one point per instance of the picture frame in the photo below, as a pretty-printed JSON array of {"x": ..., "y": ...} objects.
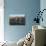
[{"x": 17, "y": 20}]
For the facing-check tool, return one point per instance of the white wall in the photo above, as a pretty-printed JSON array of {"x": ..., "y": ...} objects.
[
  {"x": 1, "y": 21},
  {"x": 43, "y": 6}
]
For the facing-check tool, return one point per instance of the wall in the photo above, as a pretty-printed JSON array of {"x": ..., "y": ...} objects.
[
  {"x": 26, "y": 7},
  {"x": 43, "y": 6},
  {"x": 1, "y": 21}
]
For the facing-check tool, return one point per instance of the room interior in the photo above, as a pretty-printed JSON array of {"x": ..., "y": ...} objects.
[{"x": 23, "y": 23}]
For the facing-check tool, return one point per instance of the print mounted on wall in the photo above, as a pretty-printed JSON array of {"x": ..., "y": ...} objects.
[{"x": 17, "y": 19}]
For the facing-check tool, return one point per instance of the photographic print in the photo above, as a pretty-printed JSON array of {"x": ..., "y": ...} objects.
[{"x": 17, "y": 20}]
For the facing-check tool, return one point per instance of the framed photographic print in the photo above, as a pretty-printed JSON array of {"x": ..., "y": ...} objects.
[{"x": 17, "y": 20}]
